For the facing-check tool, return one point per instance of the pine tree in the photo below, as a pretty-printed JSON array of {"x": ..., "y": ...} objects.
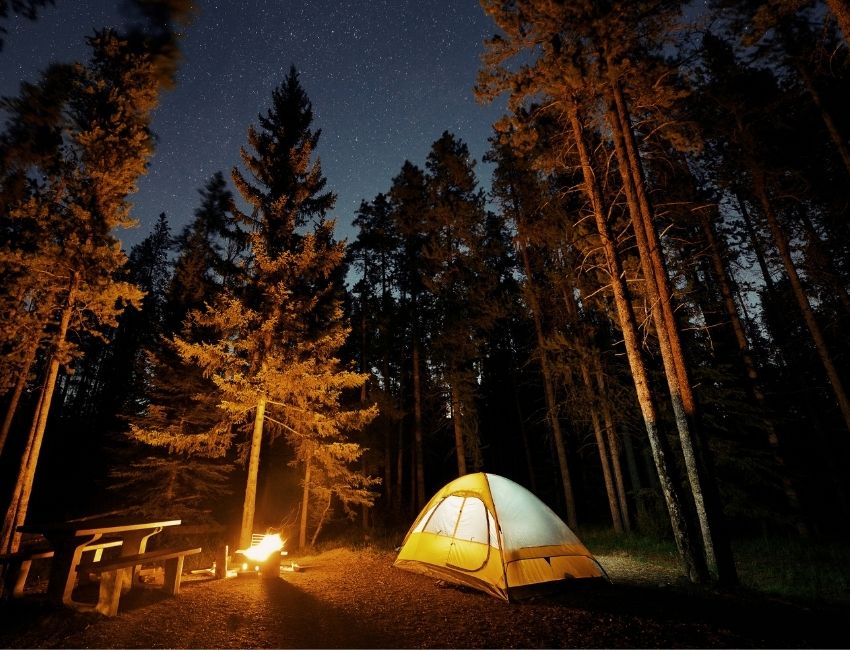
[
  {"x": 273, "y": 356},
  {"x": 81, "y": 200},
  {"x": 460, "y": 284},
  {"x": 572, "y": 46}
]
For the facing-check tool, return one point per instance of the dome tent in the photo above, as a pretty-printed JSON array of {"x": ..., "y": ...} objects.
[{"x": 487, "y": 532}]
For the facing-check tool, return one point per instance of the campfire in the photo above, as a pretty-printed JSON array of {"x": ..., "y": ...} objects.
[{"x": 263, "y": 556}]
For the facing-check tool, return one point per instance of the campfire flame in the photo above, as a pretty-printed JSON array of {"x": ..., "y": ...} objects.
[{"x": 268, "y": 545}]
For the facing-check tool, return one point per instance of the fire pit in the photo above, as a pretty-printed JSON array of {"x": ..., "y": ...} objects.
[{"x": 262, "y": 557}]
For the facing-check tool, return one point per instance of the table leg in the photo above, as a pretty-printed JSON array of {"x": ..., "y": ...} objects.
[
  {"x": 135, "y": 542},
  {"x": 63, "y": 567}
]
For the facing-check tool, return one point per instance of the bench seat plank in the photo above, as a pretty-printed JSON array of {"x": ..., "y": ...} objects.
[
  {"x": 116, "y": 571},
  {"x": 135, "y": 560}
]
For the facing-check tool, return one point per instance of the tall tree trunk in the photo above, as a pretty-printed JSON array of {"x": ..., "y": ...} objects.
[
  {"x": 419, "y": 455},
  {"x": 20, "y": 384},
  {"x": 17, "y": 511},
  {"x": 760, "y": 188},
  {"x": 305, "y": 501},
  {"x": 610, "y": 490},
  {"x": 724, "y": 282},
  {"x": 549, "y": 389},
  {"x": 324, "y": 518},
  {"x": 613, "y": 444},
  {"x": 399, "y": 467},
  {"x": 457, "y": 425},
  {"x": 7, "y": 545},
  {"x": 526, "y": 445},
  {"x": 756, "y": 246},
  {"x": 656, "y": 298},
  {"x": 247, "y": 528},
  {"x": 697, "y": 455},
  {"x": 834, "y": 280},
  {"x": 693, "y": 561},
  {"x": 826, "y": 116}
]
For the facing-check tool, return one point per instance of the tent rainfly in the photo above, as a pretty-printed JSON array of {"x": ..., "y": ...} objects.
[{"x": 487, "y": 532}]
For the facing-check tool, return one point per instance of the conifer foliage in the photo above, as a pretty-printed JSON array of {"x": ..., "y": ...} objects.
[
  {"x": 66, "y": 179},
  {"x": 273, "y": 355}
]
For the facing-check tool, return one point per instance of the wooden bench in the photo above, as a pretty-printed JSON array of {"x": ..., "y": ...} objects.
[
  {"x": 116, "y": 571},
  {"x": 18, "y": 564}
]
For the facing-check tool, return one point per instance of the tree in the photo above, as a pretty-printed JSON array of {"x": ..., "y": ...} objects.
[
  {"x": 273, "y": 355},
  {"x": 569, "y": 44},
  {"x": 460, "y": 285},
  {"x": 80, "y": 200}
]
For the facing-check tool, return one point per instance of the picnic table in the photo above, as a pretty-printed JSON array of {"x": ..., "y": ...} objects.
[{"x": 69, "y": 540}]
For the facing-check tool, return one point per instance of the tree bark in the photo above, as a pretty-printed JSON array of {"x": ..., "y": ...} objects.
[
  {"x": 760, "y": 188},
  {"x": 602, "y": 447},
  {"x": 724, "y": 282},
  {"x": 20, "y": 384},
  {"x": 305, "y": 502},
  {"x": 613, "y": 444},
  {"x": 694, "y": 563},
  {"x": 324, "y": 517},
  {"x": 549, "y": 390},
  {"x": 247, "y": 528},
  {"x": 17, "y": 511},
  {"x": 457, "y": 424},
  {"x": 419, "y": 473},
  {"x": 695, "y": 451}
]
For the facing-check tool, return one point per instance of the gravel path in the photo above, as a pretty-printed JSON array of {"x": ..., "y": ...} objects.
[{"x": 353, "y": 599}]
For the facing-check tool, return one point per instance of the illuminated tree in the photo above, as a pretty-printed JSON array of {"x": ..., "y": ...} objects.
[
  {"x": 578, "y": 51},
  {"x": 80, "y": 199},
  {"x": 273, "y": 354}
]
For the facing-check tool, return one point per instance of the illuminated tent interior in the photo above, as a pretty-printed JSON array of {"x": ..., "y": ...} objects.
[{"x": 487, "y": 532}]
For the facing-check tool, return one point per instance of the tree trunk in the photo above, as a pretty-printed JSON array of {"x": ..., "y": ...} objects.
[
  {"x": 305, "y": 502},
  {"x": 760, "y": 188},
  {"x": 724, "y": 282},
  {"x": 833, "y": 279},
  {"x": 17, "y": 511},
  {"x": 693, "y": 561},
  {"x": 826, "y": 116},
  {"x": 526, "y": 445},
  {"x": 323, "y": 518},
  {"x": 399, "y": 467},
  {"x": 695, "y": 450},
  {"x": 610, "y": 490},
  {"x": 11, "y": 515},
  {"x": 549, "y": 391},
  {"x": 247, "y": 528},
  {"x": 613, "y": 445},
  {"x": 457, "y": 425},
  {"x": 20, "y": 384},
  {"x": 419, "y": 496}
]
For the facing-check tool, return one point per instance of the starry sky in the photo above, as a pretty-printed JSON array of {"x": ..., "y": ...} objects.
[{"x": 386, "y": 78}]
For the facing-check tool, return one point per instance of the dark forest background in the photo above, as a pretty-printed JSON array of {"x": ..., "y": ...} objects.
[{"x": 643, "y": 317}]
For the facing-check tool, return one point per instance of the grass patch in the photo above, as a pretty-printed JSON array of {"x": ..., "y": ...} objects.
[
  {"x": 603, "y": 541},
  {"x": 807, "y": 570}
]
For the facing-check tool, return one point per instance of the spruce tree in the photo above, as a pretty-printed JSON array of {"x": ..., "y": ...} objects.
[{"x": 273, "y": 354}]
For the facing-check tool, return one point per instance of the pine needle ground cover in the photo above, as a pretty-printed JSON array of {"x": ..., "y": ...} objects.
[{"x": 354, "y": 598}]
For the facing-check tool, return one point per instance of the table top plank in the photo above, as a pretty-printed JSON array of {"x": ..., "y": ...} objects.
[{"x": 96, "y": 526}]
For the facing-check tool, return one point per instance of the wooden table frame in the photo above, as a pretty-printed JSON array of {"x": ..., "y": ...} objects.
[{"x": 69, "y": 539}]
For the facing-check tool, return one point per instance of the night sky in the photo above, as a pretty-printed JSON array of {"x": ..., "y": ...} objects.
[{"x": 386, "y": 78}]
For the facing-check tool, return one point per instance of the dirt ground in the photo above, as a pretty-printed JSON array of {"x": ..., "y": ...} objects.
[{"x": 353, "y": 599}]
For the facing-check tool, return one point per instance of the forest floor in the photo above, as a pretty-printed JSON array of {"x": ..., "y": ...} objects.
[{"x": 346, "y": 598}]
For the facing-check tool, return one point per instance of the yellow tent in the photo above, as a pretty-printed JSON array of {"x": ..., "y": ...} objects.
[{"x": 487, "y": 532}]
